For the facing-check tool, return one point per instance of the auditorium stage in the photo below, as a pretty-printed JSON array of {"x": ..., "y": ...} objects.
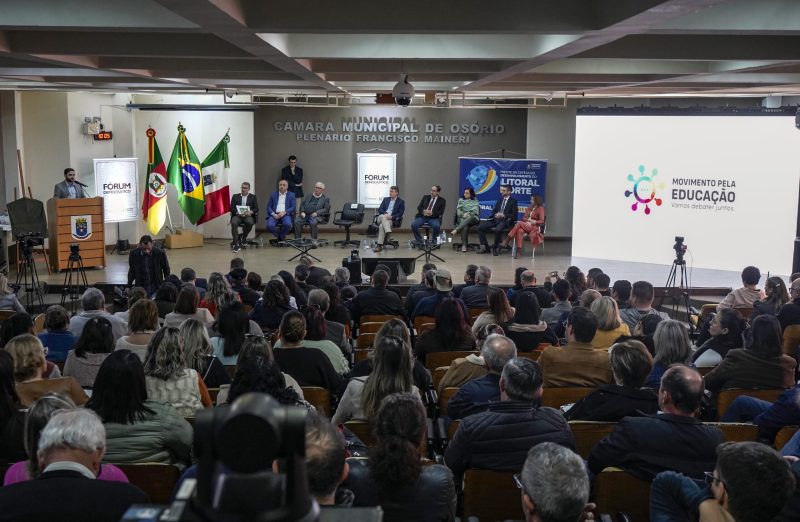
[{"x": 215, "y": 255}]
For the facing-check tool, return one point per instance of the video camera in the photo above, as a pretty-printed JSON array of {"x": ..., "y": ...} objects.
[
  {"x": 28, "y": 240},
  {"x": 679, "y": 247}
]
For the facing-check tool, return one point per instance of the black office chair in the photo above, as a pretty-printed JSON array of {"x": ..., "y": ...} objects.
[
  {"x": 351, "y": 214},
  {"x": 471, "y": 228},
  {"x": 250, "y": 242}
]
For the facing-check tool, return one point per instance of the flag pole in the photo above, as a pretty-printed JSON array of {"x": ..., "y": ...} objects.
[{"x": 169, "y": 225}]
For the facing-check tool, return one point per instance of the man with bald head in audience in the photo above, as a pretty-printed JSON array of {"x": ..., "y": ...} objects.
[
  {"x": 528, "y": 281},
  {"x": 672, "y": 440}
]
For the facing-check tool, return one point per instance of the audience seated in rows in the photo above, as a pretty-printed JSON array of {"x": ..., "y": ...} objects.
[
  {"x": 451, "y": 334},
  {"x": 391, "y": 373},
  {"x": 672, "y": 346},
  {"x": 187, "y": 307},
  {"x": 770, "y": 417},
  {"x": 8, "y": 299},
  {"x": 298, "y": 294},
  {"x": 233, "y": 325},
  {"x": 561, "y": 294},
  {"x": 310, "y": 367},
  {"x": 134, "y": 294},
  {"x": 497, "y": 350},
  {"x": 199, "y": 354},
  {"x": 499, "y": 437},
  {"x": 394, "y": 476},
  {"x": 218, "y": 293},
  {"x": 672, "y": 440},
  {"x": 165, "y": 298},
  {"x": 528, "y": 282},
  {"x": 314, "y": 339},
  {"x": 789, "y": 313},
  {"x": 526, "y": 328},
  {"x": 29, "y": 365},
  {"x": 602, "y": 282},
  {"x": 577, "y": 363},
  {"x": 499, "y": 310},
  {"x": 517, "y": 282},
  {"x": 167, "y": 377},
  {"x": 422, "y": 285},
  {"x": 274, "y": 303},
  {"x": 334, "y": 332},
  {"x": 377, "y": 300},
  {"x": 469, "y": 280},
  {"x": 342, "y": 281},
  {"x": 92, "y": 348},
  {"x": 189, "y": 278},
  {"x": 578, "y": 283},
  {"x": 748, "y": 294},
  {"x": 337, "y": 311},
  {"x": 22, "y": 323},
  {"x": 465, "y": 369},
  {"x": 261, "y": 374},
  {"x": 585, "y": 300},
  {"x": 237, "y": 278},
  {"x": 142, "y": 324},
  {"x": 71, "y": 448},
  {"x": 641, "y": 304},
  {"x": 609, "y": 323},
  {"x": 621, "y": 293},
  {"x": 38, "y": 416},
  {"x": 411, "y": 300},
  {"x": 12, "y": 415},
  {"x": 93, "y": 303},
  {"x": 57, "y": 338},
  {"x": 475, "y": 296},
  {"x": 776, "y": 296},
  {"x": 726, "y": 330},
  {"x": 631, "y": 363},
  {"x": 443, "y": 284}
]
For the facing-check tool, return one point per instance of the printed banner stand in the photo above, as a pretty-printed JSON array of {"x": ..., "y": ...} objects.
[
  {"x": 116, "y": 181},
  {"x": 527, "y": 178},
  {"x": 377, "y": 171}
]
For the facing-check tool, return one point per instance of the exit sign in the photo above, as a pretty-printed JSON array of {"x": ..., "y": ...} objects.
[{"x": 102, "y": 136}]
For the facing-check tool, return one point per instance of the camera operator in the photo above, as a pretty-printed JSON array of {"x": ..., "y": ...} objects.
[{"x": 147, "y": 266}]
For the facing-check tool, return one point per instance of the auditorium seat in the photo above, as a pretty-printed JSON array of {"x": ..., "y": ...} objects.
[
  {"x": 434, "y": 360},
  {"x": 447, "y": 393},
  {"x": 737, "y": 431},
  {"x": 425, "y": 327},
  {"x": 783, "y": 436},
  {"x": 38, "y": 324},
  {"x": 365, "y": 340},
  {"x": 371, "y": 327},
  {"x": 618, "y": 492},
  {"x": 437, "y": 374},
  {"x": 726, "y": 397},
  {"x": 589, "y": 433},
  {"x": 474, "y": 313},
  {"x": 791, "y": 340},
  {"x": 361, "y": 355},
  {"x": 422, "y": 319},
  {"x": 491, "y": 495},
  {"x": 378, "y": 318},
  {"x": 559, "y": 396},
  {"x": 363, "y": 430},
  {"x": 351, "y": 214},
  {"x": 157, "y": 480},
  {"x": 318, "y": 397},
  {"x": 213, "y": 393}
]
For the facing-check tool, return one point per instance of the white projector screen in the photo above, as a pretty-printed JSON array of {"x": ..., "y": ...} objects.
[{"x": 728, "y": 184}]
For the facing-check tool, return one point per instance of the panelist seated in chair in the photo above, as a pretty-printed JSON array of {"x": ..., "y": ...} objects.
[
  {"x": 390, "y": 214},
  {"x": 429, "y": 212},
  {"x": 243, "y": 217},
  {"x": 503, "y": 217},
  {"x": 280, "y": 210},
  {"x": 315, "y": 209}
]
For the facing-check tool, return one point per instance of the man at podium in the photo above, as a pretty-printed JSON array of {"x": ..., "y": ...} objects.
[{"x": 70, "y": 188}]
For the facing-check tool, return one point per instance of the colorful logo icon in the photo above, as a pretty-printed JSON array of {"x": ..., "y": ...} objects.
[
  {"x": 644, "y": 189},
  {"x": 482, "y": 178}
]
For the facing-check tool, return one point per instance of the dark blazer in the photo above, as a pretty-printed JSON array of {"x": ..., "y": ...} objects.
[
  {"x": 291, "y": 204},
  {"x": 789, "y": 314},
  {"x": 67, "y": 496},
  {"x": 323, "y": 209},
  {"x": 474, "y": 394},
  {"x": 511, "y": 211},
  {"x": 286, "y": 173},
  {"x": 61, "y": 191},
  {"x": 431, "y": 499},
  {"x": 475, "y": 296},
  {"x": 397, "y": 211},
  {"x": 612, "y": 402},
  {"x": 138, "y": 269},
  {"x": 437, "y": 210},
  {"x": 251, "y": 201},
  {"x": 376, "y": 301},
  {"x": 500, "y": 437},
  {"x": 646, "y": 446}
]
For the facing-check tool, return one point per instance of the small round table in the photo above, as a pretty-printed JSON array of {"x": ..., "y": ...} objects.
[{"x": 303, "y": 245}]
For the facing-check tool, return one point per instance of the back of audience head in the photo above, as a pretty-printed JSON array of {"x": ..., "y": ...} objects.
[
  {"x": 776, "y": 291},
  {"x": 751, "y": 275},
  {"x": 380, "y": 279},
  {"x": 518, "y": 283},
  {"x": 56, "y": 319},
  {"x": 316, "y": 330},
  {"x": 218, "y": 289},
  {"x": 601, "y": 282},
  {"x": 92, "y": 299},
  {"x": 289, "y": 281},
  {"x": 143, "y": 316},
  {"x": 582, "y": 324},
  {"x": 165, "y": 359},
  {"x": 607, "y": 314},
  {"x": 391, "y": 373},
  {"x": 427, "y": 267},
  {"x": 341, "y": 275},
  {"x": 631, "y": 363},
  {"x": 430, "y": 278},
  {"x": 96, "y": 337},
  {"x": 254, "y": 281},
  {"x": 395, "y": 459},
  {"x": 326, "y": 465},
  {"x": 38, "y": 416},
  {"x": 188, "y": 275},
  {"x": 236, "y": 262},
  {"x": 450, "y": 321},
  {"x": 755, "y": 480},
  {"x": 255, "y": 345},
  {"x": 765, "y": 338},
  {"x": 527, "y": 309},
  {"x": 499, "y": 306},
  {"x": 681, "y": 390},
  {"x": 232, "y": 324},
  {"x": 576, "y": 278},
  {"x": 261, "y": 374},
  {"x": 119, "y": 391},
  {"x": 167, "y": 292},
  {"x": 188, "y": 300},
  {"x": 621, "y": 291},
  {"x": 334, "y": 294},
  {"x": 293, "y": 327},
  {"x": 397, "y": 328},
  {"x": 561, "y": 290},
  {"x": 521, "y": 380},
  {"x": 196, "y": 344},
  {"x": 320, "y": 298},
  {"x": 469, "y": 273},
  {"x": 672, "y": 344},
  {"x": 28, "y": 354},
  {"x": 301, "y": 272},
  {"x": 794, "y": 290},
  {"x": 588, "y": 297},
  {"x": 496, "y": 351},
  {"x": 135, "y": 293},
  {"x": 590, "y": 276},
  {"x": 276, "y": 294},
  {"x": 642, "y": 294},
  {"x": 528, "y": 278},
  {"x": 555, "y": 485},
  {"x": 483, "y": 275},
  {"x": 647, "y": 325},
  {"x": 70, "y": 430}
]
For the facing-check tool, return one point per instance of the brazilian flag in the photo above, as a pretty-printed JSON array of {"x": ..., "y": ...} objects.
[{"x": 185, "y": 173}]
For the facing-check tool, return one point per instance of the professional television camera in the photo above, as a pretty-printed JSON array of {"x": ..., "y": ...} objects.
[{"x": 679, "y": 247}]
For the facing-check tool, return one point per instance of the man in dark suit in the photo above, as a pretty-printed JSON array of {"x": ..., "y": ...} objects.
[
  {"x": 789, "y": 313},
  {"x": 674, "y": 440},
  {"x": 293, "y": 175},
  {"x": 147, "y": 265},
  {"x": 496, "y": 351},
  {"x": 390, "y": 214},
  {"x": 69, "y": 188},
  {"x": 377, "y": 300},
  {"x": 314, "y": 209},
  {"x": 429, "y": 212},
  {"x": 503, "y": 217},
  {"x": 237, "y": 278},
  {"x": 71, "y": 448},
  {"x": 246, "y": 219},
  {"x": 476, "y": 296},
  {"x": 280, "y": 211}
]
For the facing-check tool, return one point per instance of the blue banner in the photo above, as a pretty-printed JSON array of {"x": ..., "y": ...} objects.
[{"x": 485, "y": 175}]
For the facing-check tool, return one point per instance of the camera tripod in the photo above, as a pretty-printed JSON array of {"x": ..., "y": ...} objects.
[
  {"x": 678, "y": 290},
  {"x": 73, "y": 279},
  {"x": 28, "y": 278}
]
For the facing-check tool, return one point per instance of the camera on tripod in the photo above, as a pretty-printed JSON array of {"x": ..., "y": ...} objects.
[
  {"x": 74, "y": 250},
  {"x": 29, "y": 240},
  {"x": 679, "y": 247}
]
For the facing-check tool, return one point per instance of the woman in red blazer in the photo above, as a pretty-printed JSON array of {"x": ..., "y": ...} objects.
[{"x": 534, "y": 217}]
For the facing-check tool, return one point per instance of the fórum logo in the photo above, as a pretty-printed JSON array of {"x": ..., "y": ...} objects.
[{"x": 644, "y": 189}]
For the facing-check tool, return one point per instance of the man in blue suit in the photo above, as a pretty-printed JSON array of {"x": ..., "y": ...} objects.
[
  {"x": 280, "y": 211},
  {"x": 390, "y": 214}
]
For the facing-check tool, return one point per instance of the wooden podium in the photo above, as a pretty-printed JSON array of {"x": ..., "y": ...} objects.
[{"x": 63, "y": 232}]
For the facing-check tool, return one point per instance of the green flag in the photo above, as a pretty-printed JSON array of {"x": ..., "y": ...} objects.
[{"x": 185, "y": 174}]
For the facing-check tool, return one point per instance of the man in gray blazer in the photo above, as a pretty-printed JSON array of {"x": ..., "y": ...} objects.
[
  {"x": 315, "y": 209},
  {"x": 69, "y": 188}
]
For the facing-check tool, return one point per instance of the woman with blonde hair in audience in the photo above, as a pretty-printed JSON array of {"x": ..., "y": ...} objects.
[
  {"x": 396, "y": 476},
  {"x": 93, "y": 346},
  {"x": 499, "y": 312},
  {"x": 8, "y": 299},
  {"x": 139, "y": 429},
  {"x": 672, "y": 345},
  {"x": 29, "y": 364},
  {"x": 391, "y": 374},
  {"x": 142, "y": 324},
  {"x": 218, "y": 293},
  {"x": 167, "y": 377},
  {"x": 37, "y": 418},
  {"x": 609, "y": 324},
  {"x": 187, "y": 307},
  {"x": 199, "y": 354}
]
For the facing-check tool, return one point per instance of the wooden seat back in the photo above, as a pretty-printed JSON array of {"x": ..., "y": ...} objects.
[
  {"x": 370, "y": 328},
  {"x": 365, "y": 340},
  {"x": 726, "y": 397},
  {"x": 618, "y": 492},
  {"x": 363, "y": 430},
  {"x": 447, "y": 393},
  {"x": 426, "y": 327},
  {"x": 422, "y": 319},
  {"x": 589, "y": 433},
  {"x": 474, "y": 313},
  {"x": 783, "y": 436},
  {"x": 736, "y": 431},
  {"x": 38, "y": 324},
  {"x": 491, "y": 495},
  {"x": 378, "y": 318},
  {"x": 791, "y": 340},
  {"x": 156, "y": 480},
  {"x": 361, "y": 355},
  {"x": 557, "y": 397},
  {"x": 436, "y": 359},
  {"x": 437, "y": 374},
  {"x": 318, "y": 397}
]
